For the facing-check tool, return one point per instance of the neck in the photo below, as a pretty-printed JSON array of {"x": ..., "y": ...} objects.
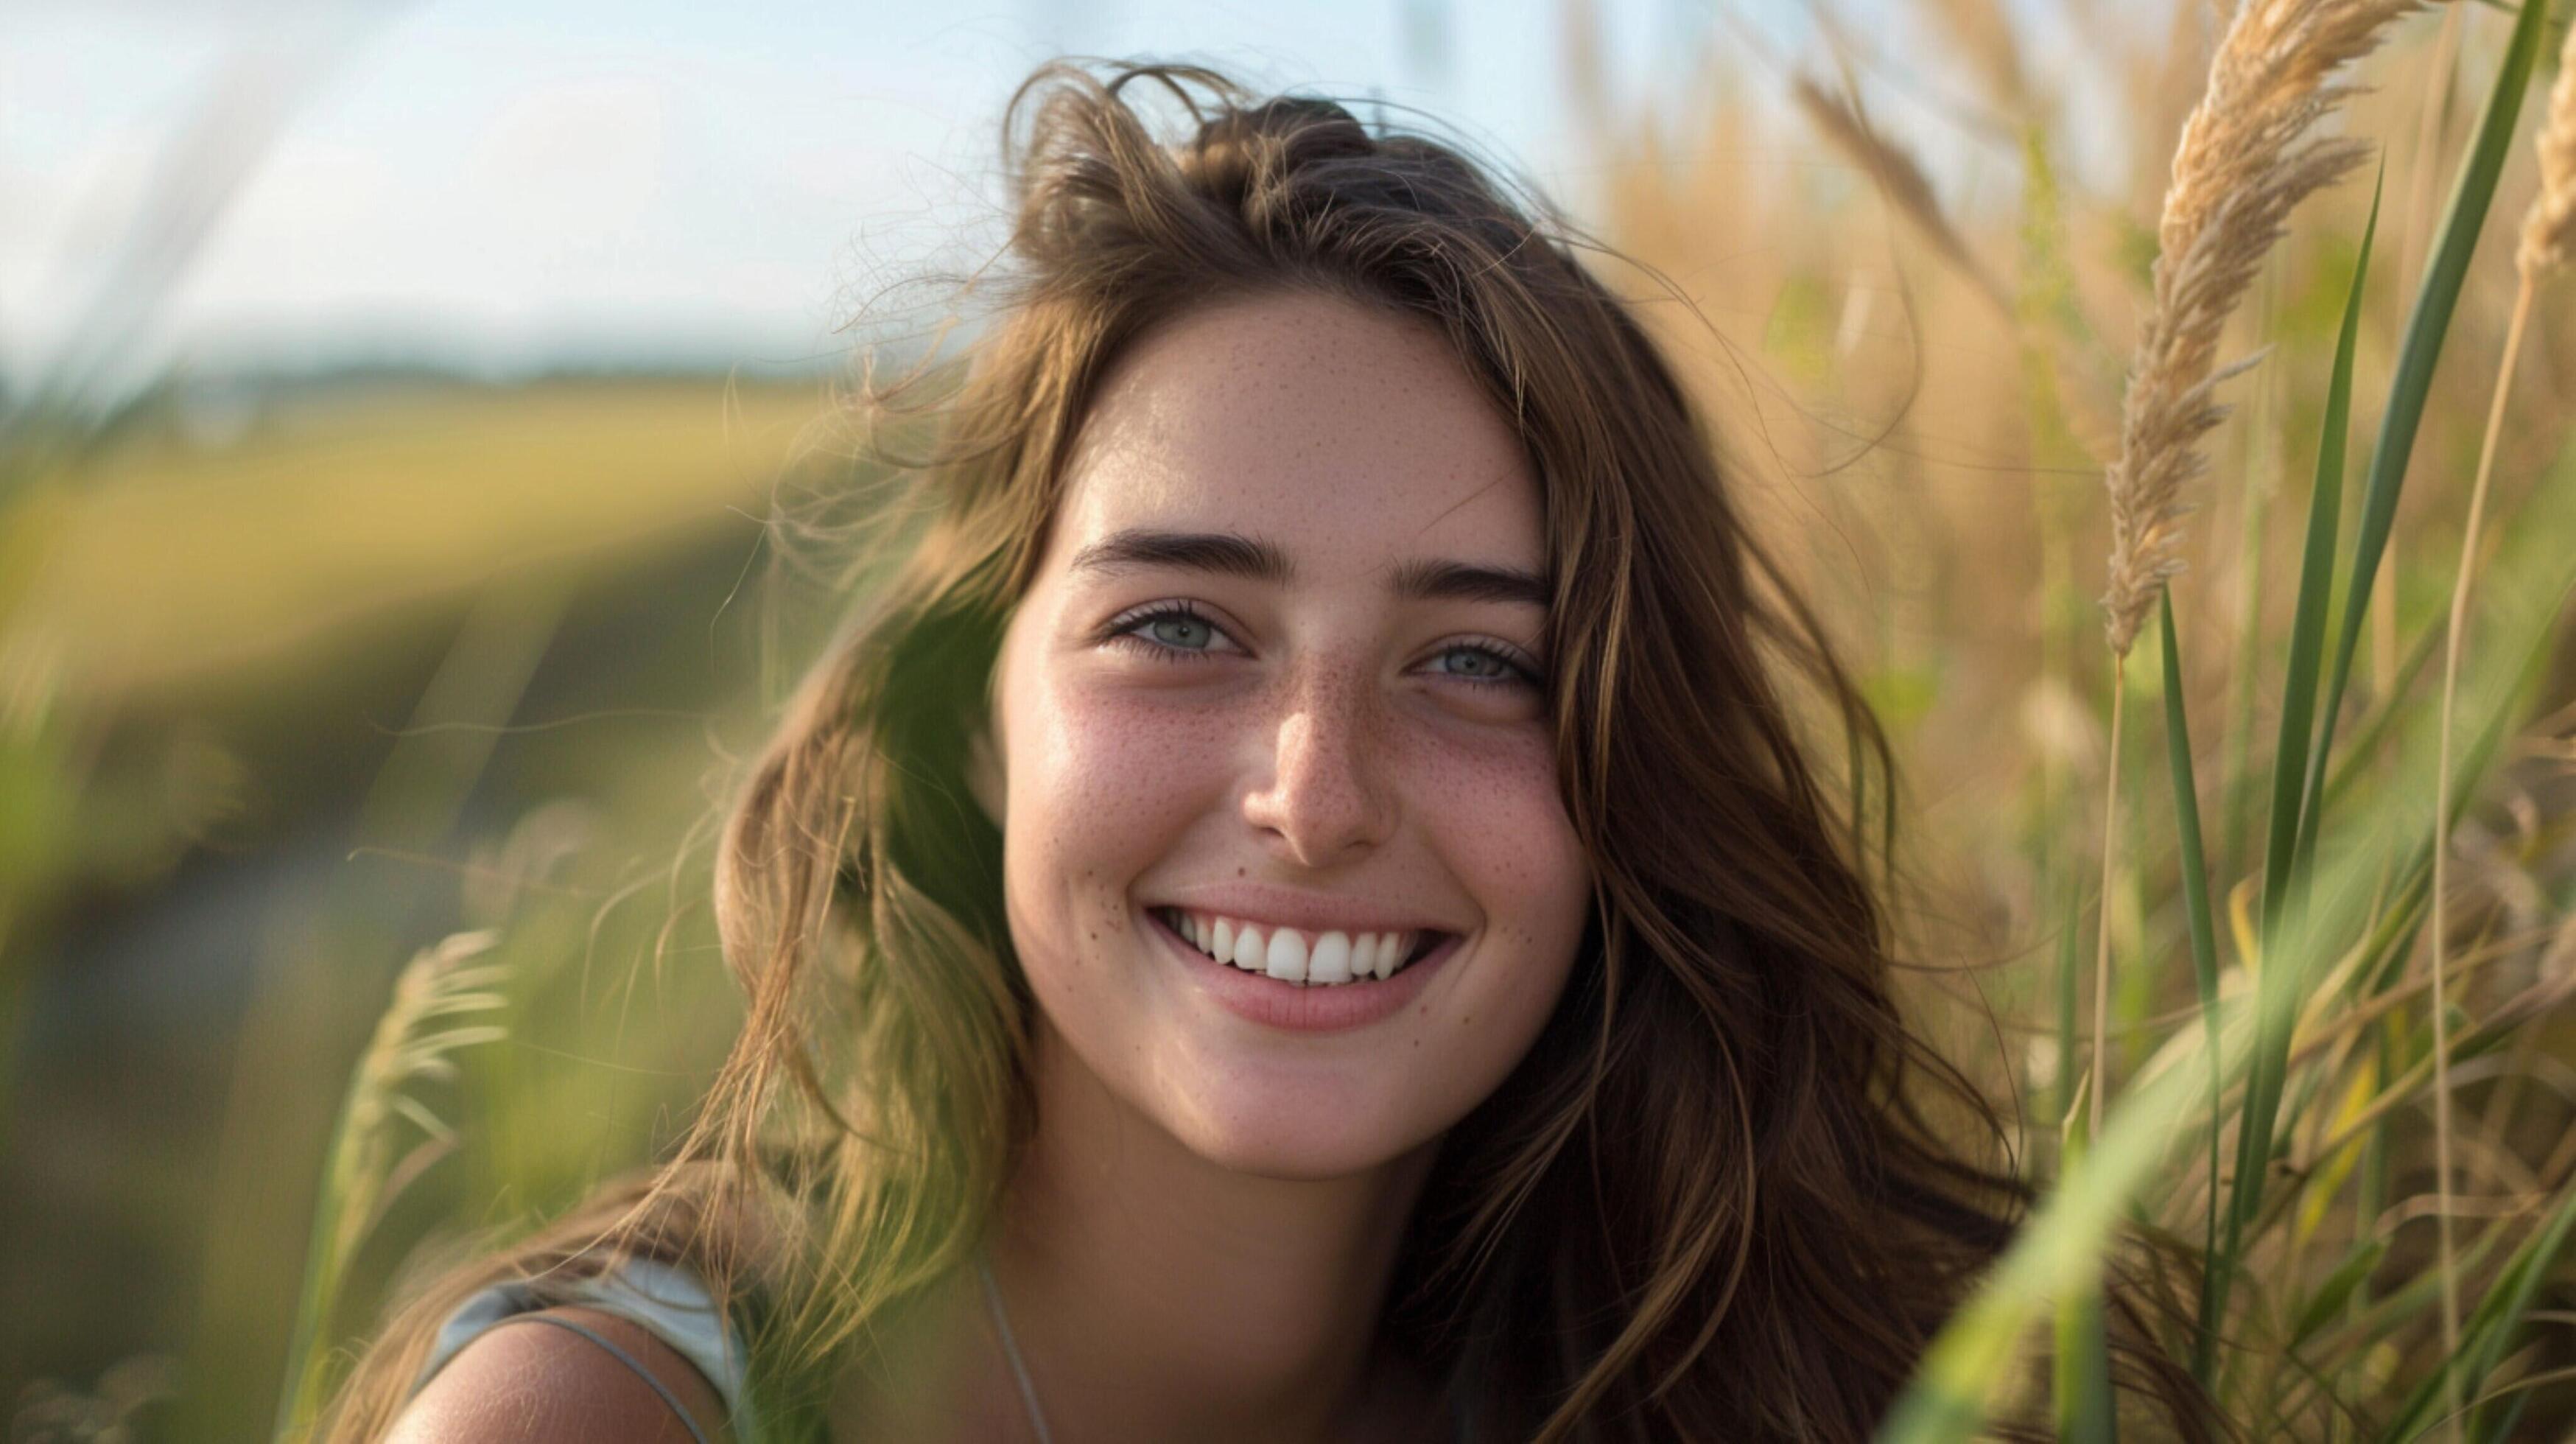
[{"x": 1157, "y": 1295}]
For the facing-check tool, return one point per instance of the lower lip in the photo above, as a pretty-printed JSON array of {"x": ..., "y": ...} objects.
[{"x": 1297, "y": 1008}]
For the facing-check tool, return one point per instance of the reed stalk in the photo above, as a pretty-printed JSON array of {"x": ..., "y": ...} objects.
[
  {"x": 2102, "y": 948},
  {"x": 2246, "y": 158},
  {"x": 2548, "y": 237}
]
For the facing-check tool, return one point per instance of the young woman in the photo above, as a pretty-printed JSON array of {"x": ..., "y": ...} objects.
[{"x": 1302, "y": 911}]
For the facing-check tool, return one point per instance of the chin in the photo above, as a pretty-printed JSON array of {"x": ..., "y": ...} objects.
[{"x": 1295, "y": 1145}]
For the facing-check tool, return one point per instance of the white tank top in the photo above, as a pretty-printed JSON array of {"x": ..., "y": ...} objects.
[{"x": 670, "y": 1303}]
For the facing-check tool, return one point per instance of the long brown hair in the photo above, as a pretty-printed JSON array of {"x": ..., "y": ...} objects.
[{"x": 1725, "y": 1196}]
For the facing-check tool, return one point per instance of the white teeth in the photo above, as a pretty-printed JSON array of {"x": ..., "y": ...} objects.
[
  {"x": 1364, "y": 956},
  {"x": 1288, "y": 956},
  {"x": 1330, "y": 962}
]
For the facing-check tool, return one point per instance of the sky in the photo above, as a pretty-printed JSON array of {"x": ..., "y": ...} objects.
[{"x": 516, "y": 184}]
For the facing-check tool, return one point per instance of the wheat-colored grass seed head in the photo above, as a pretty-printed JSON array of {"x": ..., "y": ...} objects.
[
  {"x": 2549, "y": 231},
  {"x": 2246, "y": 157}
]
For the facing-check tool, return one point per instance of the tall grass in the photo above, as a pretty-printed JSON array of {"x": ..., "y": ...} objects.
[
  {"x": 388, "y": 1134},
  {"x": 2276, "y": 1065},
  {"x": 2545, "y": 243},
  {"x": 2242, "y": 162}
]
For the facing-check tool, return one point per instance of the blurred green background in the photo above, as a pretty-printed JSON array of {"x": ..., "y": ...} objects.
[{"x": 397, "y": 660}]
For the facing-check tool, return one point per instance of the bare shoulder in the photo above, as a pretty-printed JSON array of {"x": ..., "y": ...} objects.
[{"x": 529, "y": 1381}]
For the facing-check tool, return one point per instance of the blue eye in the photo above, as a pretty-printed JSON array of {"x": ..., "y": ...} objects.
[
  {"x": 1487, "y": 665},
  {"x": 1172, "y": 632},
  {"x": 1175, "y": 629},
  {"x": 1176, "y": 632}
]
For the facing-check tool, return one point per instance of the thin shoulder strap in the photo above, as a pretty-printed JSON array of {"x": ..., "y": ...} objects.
[{"x": 660, "y": 1389}]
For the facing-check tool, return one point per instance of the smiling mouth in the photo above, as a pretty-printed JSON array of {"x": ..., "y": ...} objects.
[{"x": 1290, "y": 955}]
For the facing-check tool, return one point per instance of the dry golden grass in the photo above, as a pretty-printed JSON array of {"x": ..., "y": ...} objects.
[
  {"x": 1902, "y": 181},
  {"x": 2549, "y": 231},
  {"x": 1984, "y": 35},
  {"x": 2247, "y": 157}
]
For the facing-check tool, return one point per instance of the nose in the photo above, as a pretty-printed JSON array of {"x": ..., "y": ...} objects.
[{"x": 1326, "y": 800}]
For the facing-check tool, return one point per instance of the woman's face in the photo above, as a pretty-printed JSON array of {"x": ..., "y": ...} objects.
[{"x": 1279, "y": 671}]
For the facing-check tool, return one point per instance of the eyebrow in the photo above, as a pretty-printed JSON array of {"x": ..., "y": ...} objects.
[{"x": 1230, "y": 554}]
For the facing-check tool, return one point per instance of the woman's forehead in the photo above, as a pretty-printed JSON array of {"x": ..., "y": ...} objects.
[{"x": 1308, "y": 420}]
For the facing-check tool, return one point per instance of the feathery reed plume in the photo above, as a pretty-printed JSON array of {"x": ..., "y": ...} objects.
[
  {"x": 2245, "y": 159},
  {"x": 2548, "y": 239},
  {"x": 2549, "y": 231},
  {"x": 413, "y": 1039}
]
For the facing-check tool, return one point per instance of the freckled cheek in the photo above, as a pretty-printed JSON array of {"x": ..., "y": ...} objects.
[
  {"x": 1503, "y": 828},
  {"x": 1110, "y": 781}
]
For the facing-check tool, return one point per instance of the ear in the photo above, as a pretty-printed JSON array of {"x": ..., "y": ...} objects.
[{"x": 984, "y": 775}]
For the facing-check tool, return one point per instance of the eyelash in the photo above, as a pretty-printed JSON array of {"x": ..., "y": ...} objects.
[{"x": 1123, "y": 630}]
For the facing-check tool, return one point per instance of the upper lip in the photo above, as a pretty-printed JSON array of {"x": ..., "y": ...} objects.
[{"x": 1305, "y": 911}]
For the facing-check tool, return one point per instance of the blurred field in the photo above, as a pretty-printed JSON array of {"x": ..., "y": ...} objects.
[
  {"x": 316, "y": 679},
  {"x": 379, "y": 664},
  {"x": 181, "y": 563}
]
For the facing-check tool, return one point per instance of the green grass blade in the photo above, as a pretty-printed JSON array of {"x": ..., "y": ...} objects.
[
  {"x": 2316, "y": 588},
  {"x": 2490, "y": 1327},
  {"x": 2384, "y": 716},
  {"x": 300, "y": 1393},
  {"x": 2417, "y": 355},
  {"x": 2402, "y": 1306},
  {"x": 1977, "y": 1356},
  {"x": 2204, "y": 966},
  {"x": 2393, "y": 941},
  {"x": 2082, "y": 1375},
  {"x": 2084, "y": 1400},
  {"x": 2327, "y": 1304},
  {"x": 2298, "y": 721},
  {"x": 2069, "y": 962}
]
